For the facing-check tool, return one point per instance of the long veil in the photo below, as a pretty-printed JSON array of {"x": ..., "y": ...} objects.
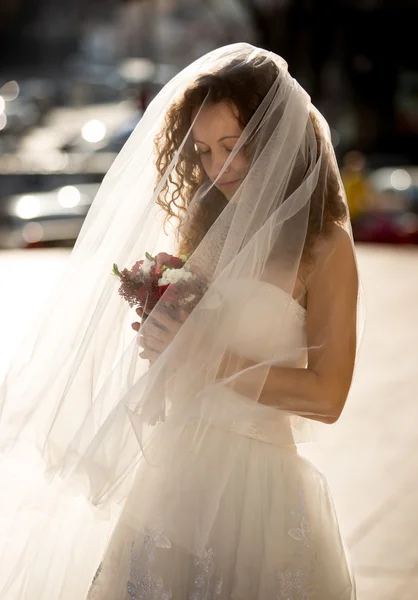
[{"x": 78, "y": 402}]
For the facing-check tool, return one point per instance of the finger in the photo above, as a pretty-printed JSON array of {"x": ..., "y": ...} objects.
[
  {"x": 168, "y": 322},
  {"x": 139, "y": 311},
  {"x": 136, "y": 326},
  {"x": 150, "y": 343},
  {"x": 154, "y": 330},
  {"x": 149, "y": 349},
  {"x": 149, "y": 355}
]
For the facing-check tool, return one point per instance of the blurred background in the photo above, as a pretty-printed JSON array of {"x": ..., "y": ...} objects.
[{"x": 75, "y": 79}]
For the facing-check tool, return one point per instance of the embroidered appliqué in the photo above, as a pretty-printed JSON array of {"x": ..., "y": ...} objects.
[
  {"x": 142, "y": 583},
  {"x": 297, "y": 580},
  {"x": 206, "y": 586}
]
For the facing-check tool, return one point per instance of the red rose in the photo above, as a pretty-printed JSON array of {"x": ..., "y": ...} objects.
[
  {"x": 172, "y": 262},
  {"x": 161, "y": 290}
]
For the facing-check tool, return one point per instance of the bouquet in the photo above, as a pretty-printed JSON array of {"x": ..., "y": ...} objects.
[{"x": 162, "y": 278}]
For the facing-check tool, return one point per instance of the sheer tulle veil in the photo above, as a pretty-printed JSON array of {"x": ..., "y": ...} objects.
[{"x": 78, "y": 400}]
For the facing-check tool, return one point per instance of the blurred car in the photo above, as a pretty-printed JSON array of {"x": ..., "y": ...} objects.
[
  {"x": 96, "y": 137},
  {"x": 87, "y": 86},
  {"x": 134, "y": 79},
  {"x": 24, "y": 103},
  {"x": 40, "y": 218},
  {"x": 392, "y": 215}
]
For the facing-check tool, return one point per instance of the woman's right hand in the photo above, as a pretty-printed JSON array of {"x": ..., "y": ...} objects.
[{"x": 136, "y": 325}]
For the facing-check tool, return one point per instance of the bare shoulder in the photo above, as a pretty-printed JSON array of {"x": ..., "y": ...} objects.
[
  {"x": 334, "y": 265},
  {"x": 335, "y": 249}
]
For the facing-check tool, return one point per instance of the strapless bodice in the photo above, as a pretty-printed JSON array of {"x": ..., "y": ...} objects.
[
  {"x": 269, "y": 324},
  {"x": 261, "y": 322}
]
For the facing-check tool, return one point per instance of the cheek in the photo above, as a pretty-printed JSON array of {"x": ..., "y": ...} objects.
[
  {"x": 241, "y": 160},
  {"x": 240, "y": 163}
]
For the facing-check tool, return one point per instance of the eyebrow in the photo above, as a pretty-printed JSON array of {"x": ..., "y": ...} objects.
[{"x": 225, "y": 137}]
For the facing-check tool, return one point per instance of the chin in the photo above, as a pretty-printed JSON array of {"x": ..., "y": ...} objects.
[{"x": 228, "y": 193}]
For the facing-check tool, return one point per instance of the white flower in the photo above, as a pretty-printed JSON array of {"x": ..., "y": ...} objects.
[
  {"x": 174, "y": 275},
  {"x": 146, "y": 266}
]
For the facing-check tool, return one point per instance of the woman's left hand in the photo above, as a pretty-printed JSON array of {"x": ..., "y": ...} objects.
[{"x": 159, "y": 331}]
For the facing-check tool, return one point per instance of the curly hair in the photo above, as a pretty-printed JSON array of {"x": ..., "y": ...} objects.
[{"x": 244, "y": 85}]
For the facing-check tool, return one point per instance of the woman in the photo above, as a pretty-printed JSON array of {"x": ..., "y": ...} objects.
[{"x": 196, "y": 442}]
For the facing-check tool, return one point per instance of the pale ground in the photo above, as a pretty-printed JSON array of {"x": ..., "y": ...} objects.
[{"x": 371, "y": 455}]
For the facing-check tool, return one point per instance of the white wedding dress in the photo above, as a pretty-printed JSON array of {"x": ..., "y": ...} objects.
[
  {"x": 123, "y": 482},
  {"x": 274, "y": 534}
]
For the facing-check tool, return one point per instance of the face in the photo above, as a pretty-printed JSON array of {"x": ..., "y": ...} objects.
[{"x": 215, "y": 134}]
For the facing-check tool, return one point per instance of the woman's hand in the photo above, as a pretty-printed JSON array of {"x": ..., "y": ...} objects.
[{"x": 159, "y": 332}]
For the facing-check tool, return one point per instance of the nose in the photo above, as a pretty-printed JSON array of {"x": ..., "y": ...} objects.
[{"x": 216, "y": 165}]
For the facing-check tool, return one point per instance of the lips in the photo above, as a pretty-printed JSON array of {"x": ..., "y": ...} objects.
[{"x": 229, "y": 182}]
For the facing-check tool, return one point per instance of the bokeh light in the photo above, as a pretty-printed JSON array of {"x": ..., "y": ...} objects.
[
  {"x": 28, "y": 207},
  {"x": 10, "y": 90},
  {"x": 400, "y": 179},
  {"x": 93, "y": 131},
  {"x": 33, "y": 233},
  {"x": 69, "y": 196}
]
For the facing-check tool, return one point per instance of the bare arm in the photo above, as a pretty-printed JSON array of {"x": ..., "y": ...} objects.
[{"x": 318, "y": 392}]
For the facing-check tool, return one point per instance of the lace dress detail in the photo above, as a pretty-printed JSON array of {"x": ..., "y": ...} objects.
[
  {"x": 146, "y": 584},
  {"x": 206, "y": 585},
  {"x": 297, "y": 581},
  {"x": 143, "y": 583}
]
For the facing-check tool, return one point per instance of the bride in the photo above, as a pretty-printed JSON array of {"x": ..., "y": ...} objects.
[{"x": 175, "y": 474}]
